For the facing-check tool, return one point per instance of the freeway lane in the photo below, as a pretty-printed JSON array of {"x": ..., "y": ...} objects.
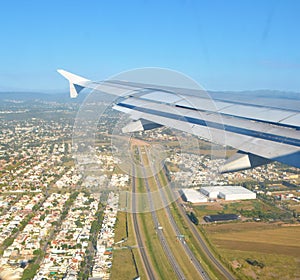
[
  {"x": 202, "y": 274},
  {"x": 168, "y": 252},
  {"x": 160, "y": 234},
  {"x": 148, "y": 266},
  {"x": 203, "y": 245},
  {"x": 201, "y": 242}
]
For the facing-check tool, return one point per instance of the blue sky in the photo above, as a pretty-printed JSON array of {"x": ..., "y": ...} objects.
[{"x": 223, "y": 45}]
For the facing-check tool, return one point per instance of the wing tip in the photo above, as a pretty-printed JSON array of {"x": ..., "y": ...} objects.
[{"x": 77, "y": 83}]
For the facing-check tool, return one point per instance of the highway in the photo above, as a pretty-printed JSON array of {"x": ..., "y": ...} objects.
[
  {"x": 147, "y": 264},
  {"x": 202, "y": 274},
  {"x": 160, "y": 234},
  {"x": 203, "y": 245}
]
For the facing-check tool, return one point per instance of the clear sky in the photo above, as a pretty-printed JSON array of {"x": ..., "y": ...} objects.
[{"x": 224, "y": 44}]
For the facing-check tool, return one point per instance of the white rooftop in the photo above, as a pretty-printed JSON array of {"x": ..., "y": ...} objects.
[
  {"x": 193, "y": 196},
  {"x": 228, "y": 191}
]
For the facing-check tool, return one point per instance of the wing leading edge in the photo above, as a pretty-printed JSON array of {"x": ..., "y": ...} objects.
[{"x": 261, "y": 133}]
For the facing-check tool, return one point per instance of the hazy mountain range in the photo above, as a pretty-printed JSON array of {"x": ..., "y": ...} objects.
[{"x": 271, "y": 97}]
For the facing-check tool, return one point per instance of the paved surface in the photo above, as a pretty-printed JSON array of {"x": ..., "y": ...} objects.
[
  {"x": 202, "y": 274},
  {"x": 160, "y": 234},
  {"x": 203, "y": 245},
  {"x": 147, "y": 264}
]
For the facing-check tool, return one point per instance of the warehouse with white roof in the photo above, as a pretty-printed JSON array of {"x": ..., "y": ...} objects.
[
  {"x": 228, "y": 192},
  {"x": 193, "y": 196}
]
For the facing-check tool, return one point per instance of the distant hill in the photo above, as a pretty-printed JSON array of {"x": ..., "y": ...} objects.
[
  {"x": 18, "y": 97},
  {"x": 38, "y": 96},
  {"x": 280, "y": 99},
  {"x": 272, "y": 98},
  {"x": 263, "y": 93}
]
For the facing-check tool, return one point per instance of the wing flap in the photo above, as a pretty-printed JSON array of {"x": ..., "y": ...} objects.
[
  {"x": 226, "y": 108},
  {"x": 261, "y": 139}
]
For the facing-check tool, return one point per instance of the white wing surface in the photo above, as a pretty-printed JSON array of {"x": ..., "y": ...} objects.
[{"x": 262, "y": 131}]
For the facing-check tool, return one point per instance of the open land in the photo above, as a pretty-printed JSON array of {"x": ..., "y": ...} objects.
[{"x": 274, "y": 245}]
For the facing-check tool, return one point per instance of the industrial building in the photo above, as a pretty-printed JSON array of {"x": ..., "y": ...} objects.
[
  {"x": 220, "y": 218},
  {"x": 193, "y": 196},
  {"x": 228, "y": 192}
]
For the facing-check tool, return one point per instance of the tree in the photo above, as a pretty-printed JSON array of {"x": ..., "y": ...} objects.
[{"x": 37, "y": 252}]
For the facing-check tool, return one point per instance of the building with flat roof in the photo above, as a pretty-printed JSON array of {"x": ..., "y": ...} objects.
[
  {"x": 228, "y": 192},
  {"x": 210, "y": 192},
  {"x": 193, "y": 196},
  {"x": 220, "y": 218}
]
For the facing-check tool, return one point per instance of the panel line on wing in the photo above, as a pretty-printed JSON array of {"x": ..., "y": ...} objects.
[{"x": 226, "y": 127}]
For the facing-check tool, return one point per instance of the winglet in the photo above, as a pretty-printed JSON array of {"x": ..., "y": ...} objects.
[{"x": 77, "y": 83}]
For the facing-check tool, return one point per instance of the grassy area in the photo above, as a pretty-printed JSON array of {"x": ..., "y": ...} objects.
[
  {"x": 123, "y": 261},
  {"x": 154, "y": 250},
  {"x": 165, "y": 184},
  {"x": 152, "y": 244},
  {"x": 159, "y": 260},
  {"x": 173, "y": 242},
  {"x": 123, "y": 266},
  {"x": 233, "y": 241},
  {"x": 247, "y": 208},
  {"x": 126, "y": 262},
  {"x": 275, "y": 266},
  {"x": 193, "y": 244},
  {"x": 175, "y": 246},
  {"x": 189, "y": 237},
  {"x": 30, "y": 271},
  {"x": 181, "y": 257},
  {"x": 269, "y": 238},
  {"x": 274, "y": 245},
  {"x": 135, "y": 252}
]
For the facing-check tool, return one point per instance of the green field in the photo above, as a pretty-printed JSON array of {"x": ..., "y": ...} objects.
[
  {"x": 124, "y": 259},
  {"x": 276, "y": 246},
  {"x": 248, "y": 209}
]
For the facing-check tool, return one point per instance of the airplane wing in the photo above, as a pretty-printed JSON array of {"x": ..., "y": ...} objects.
[{"x": 262, "y": 132}]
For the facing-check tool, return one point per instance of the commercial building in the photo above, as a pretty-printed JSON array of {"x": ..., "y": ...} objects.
[
  {"x": 193, "y": 196},
  {"x": 228, "y": 192},
  {"x": 220, "y": 218}
]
